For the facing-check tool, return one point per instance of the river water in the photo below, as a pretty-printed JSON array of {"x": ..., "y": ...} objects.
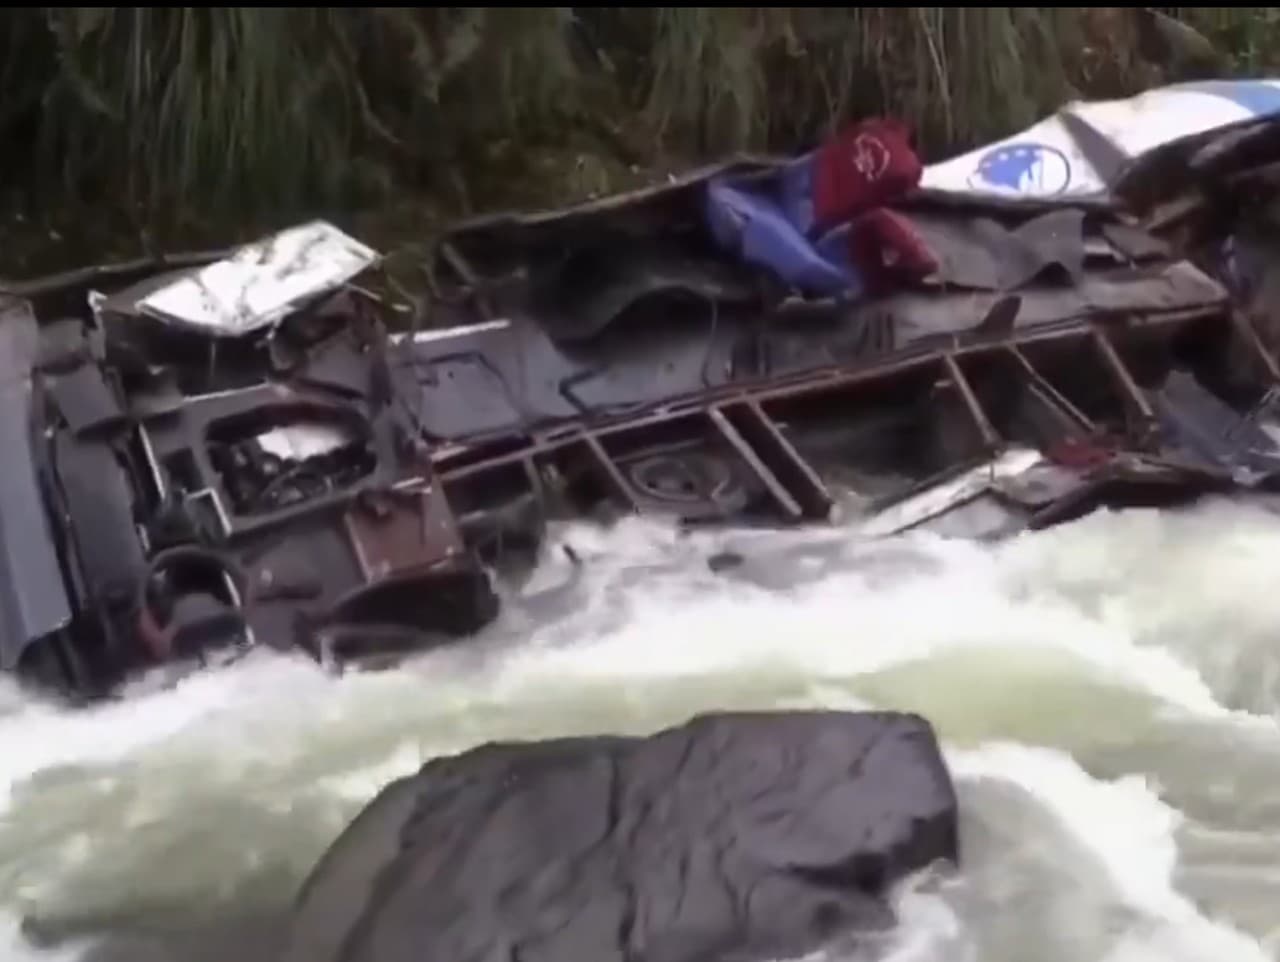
[{"x": 1107, "y": 693}]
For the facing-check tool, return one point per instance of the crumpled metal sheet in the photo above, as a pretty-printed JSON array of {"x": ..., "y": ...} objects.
[
  {"x": 951, "y": 494},
  {"x": 260, "y": 283},
  {"x": 602, "y": 286},
  {"x": 1201, "y": 427},
  {"x": 980, "y": 252},
  {"x": 1078, "y": 151},
  {"x": 1168, "y": 287}
]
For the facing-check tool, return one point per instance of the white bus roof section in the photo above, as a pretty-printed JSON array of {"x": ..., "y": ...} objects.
[{"x": 1046, "y": 161}]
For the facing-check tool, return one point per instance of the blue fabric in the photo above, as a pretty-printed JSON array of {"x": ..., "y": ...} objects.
[
  {"x": 755, "y": 228},
  {"x": 833, "y": 246},
  {"x": 795, "y": 190}
]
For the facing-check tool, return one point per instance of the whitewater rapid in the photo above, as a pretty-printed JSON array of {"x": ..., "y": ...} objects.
[{"x": 1108, "y": 694}]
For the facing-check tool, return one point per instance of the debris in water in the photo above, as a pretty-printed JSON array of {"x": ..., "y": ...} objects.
[{"x": 724, "y": 561}]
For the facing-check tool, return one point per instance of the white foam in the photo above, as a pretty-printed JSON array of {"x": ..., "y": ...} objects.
[
  {"x": 1131, "y": 831},
  {"x": 37, "y": 735},
  {"x": 855, "y": 621},
  {"x": 1199, "y": 584},
  {"x": 648, "y": 636}
]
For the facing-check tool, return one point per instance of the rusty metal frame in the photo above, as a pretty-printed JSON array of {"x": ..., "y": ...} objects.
[
  {"x": 748, "y": 454},
  {"x": 1249, "y": 334},
  {"x": 804, "y": 482},
  {"x": 610, "y": 469},
  {"x": 832, "y": 379},
  {"x": 1121, "y": 374},
  {"x": 990, "y": 437},
  {"x": 739, "y": 414},
  {"x": 1142, "y": 419},
  {"x": 1055, "y": 399}
]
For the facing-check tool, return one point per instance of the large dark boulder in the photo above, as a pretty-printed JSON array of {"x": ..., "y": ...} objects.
[{"x": 733, "y": 837}]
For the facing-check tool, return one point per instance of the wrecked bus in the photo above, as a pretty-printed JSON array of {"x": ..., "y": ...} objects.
[{"x": 256, "y": 448}]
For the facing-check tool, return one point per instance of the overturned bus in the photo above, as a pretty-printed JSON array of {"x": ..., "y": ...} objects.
[{"x": 256, "y": 449}]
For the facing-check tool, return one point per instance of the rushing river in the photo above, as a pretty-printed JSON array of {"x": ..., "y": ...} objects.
[{"x": 1108, "y": 694}]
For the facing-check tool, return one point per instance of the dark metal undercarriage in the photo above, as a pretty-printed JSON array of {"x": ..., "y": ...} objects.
[{"x": 338, "y": 481}]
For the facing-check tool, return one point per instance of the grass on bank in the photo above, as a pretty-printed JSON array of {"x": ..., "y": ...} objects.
[{"x": 164, "y": 123}]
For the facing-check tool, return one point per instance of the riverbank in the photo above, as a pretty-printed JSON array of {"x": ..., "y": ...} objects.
[{"x": 133, "y": 130}]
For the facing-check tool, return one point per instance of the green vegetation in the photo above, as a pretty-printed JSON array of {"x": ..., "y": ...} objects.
[{"x": 130, "y": 126}]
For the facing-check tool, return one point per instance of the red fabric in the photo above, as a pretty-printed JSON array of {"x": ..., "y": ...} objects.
[
  {"x": 887, "y": 251},
  {"x": 865, "y": 166},
  {"x": 1080, "y": 455}
]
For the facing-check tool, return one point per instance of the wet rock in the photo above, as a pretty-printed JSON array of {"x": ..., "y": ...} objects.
[{"x": 733, "y": 837}]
